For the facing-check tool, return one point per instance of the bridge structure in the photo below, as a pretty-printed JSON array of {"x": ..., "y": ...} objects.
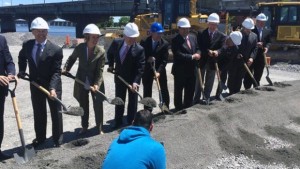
[{"x": 79, "y": 12}]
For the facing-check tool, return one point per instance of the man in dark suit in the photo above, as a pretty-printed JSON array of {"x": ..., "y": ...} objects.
[
  {"x": 247, "y": 53},
  {"x": 44, "y": 61},
  {"x": 7, "y": 73},
  {"x": 129, "y": 59},
  {"x": 209, "y": 40},
  {"x": 156, "y": 52},
  {"x": 184, "y": 48},
  {"x": 263, "y": 44}
]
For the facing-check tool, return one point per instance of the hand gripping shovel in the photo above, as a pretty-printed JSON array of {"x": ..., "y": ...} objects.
[
  {"x": 161, "y": 104},
  {"x": 27, "y": 153},
  {"x": 267, "y": 67},
  {"x": 220, "y": 84},
  {"x": 115, "y": 101},
  {"x": 147, "y": 101},
  {"x": 75, "y": 111},
  {"x": 248, "y": 70},
  {"x": 201, "y": 85}
]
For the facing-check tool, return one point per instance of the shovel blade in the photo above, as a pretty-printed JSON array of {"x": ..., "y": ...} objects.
[
  {"x": 25, "y": 155},
  {"x": 74, "y": 111},
  {"x": 116, "y": 101},
  {"x": 148, "y": 101}
]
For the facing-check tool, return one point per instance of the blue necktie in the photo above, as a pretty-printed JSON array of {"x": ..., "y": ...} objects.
[
  {"x": 38, "y": 54},
  {"x": 124, "y": 53}
]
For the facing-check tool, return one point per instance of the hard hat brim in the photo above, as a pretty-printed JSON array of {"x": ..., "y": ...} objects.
[{"x": 133, "y": 36}]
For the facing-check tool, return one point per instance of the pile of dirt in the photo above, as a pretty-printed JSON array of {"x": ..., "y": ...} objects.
[{"x": 251, "y": 129}]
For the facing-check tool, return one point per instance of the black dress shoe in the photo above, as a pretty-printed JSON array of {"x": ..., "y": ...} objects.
[
  {"x": 117, "y": 126},
  {"x": 4, "y": 156},
  {"x": 36, "y": 143}
]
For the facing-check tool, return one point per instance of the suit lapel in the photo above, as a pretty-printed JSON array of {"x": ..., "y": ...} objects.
[
  {"x": 97, "y": 52},
  {"x": 31, "y": 46}
]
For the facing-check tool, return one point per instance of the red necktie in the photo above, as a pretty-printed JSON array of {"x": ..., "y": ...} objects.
[{"x": 188, "y": 42}]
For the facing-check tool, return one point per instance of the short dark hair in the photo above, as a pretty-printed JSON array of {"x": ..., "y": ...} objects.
[{"x": 143, "y": 118}]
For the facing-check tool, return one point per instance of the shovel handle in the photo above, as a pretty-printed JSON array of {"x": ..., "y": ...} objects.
[
  {"x": 82, "y": 83},
  {"x": 126, "y": 83},
  {"x": 18, "y": 119}
]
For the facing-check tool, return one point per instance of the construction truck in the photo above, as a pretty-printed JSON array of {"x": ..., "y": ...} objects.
[{"x": 283, "y": 20}]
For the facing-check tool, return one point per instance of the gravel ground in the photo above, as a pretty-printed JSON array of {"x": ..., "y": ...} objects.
[{"x": 253, "y": 129}]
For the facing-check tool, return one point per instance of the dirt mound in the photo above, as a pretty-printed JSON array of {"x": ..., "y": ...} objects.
[{"x": 253, "y": 128}]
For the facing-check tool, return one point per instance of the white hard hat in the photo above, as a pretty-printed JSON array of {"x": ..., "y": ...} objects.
[
  {"x": 236, "y": 37},
  {"x": 91, "y": 29},
  {"x": 183, "y": 23},
  {"x": 39, "y": 23},
  {"x": 214, "y": 18},
  {"x": 131, "y": 30},
  {"x": 248, "y": 23},
  {"x": 261, "y": 17}
]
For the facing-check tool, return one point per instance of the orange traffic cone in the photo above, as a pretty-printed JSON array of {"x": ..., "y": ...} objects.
[{"x": 67, "y": 43}]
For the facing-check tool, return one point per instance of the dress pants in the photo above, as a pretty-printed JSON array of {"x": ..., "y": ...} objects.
[
  {"x": 208, "y": 83},
  {"x": 148, "y": 83},
  {"x": 186, "y": 84},
  {"x": 121, "y": 90},
  {"x": 235, "y": 76},
  {"x": 97, "y": 105},
  {"x": 257, "y": 69},
  {"x": 38, "y": 99},
  {"x": 2, "y": 101}
]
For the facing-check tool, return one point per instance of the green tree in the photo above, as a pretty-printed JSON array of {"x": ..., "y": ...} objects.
[
  {"x": 124, "y": 20},
  {"x": 110, "y": 22}
]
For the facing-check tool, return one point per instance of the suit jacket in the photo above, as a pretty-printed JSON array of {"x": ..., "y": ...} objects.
[
  {"x": 133, "y": 65},
  {"x": 248, "y": 47},
  {"x": 183, "y": 64},
  {"x": 48, "y": 71},
  {"x": 205, "y": 44},
  {"x": 88, "y": 67},
  {"x": 7, "y": 65},
  {"x": 266, "y": 39},
  {"x": 160, "y": 53}
]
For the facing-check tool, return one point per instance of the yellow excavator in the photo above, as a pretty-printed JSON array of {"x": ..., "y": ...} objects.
[
  {"x": 284, "y": 21},
  {"x": 144, "y": 21}
]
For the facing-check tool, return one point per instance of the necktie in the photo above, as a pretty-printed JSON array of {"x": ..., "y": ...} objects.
[
  {"x": 211, "y": 35},
  {"x": 154, "y": 45},
  {"x": 188, "y": 42},
  {"x": 260, "y": 33},
  {"x": 38, "y": 54},
  {"x": 124, "y": 53}
]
